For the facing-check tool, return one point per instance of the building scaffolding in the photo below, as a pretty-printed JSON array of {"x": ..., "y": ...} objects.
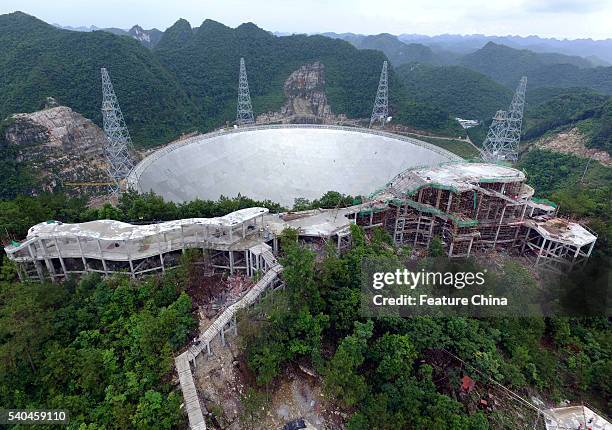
[
  {"x": 476, "y": 208},
  {"x": 473, "y": 208}
]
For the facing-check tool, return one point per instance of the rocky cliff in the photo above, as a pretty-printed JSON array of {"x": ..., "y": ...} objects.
[
  {"x": 305, "y": 92},
  {"x": 60, "y": 147}
]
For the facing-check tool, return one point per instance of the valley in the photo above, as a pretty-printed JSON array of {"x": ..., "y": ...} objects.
[{"x": 222, "y": 283}]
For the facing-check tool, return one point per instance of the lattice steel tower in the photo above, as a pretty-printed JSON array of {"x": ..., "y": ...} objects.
[
  {"x": 245, "y": 108},
  {"x": 381, "y": 104},
  {"x": 117, "y": 136},
  {"x": 504, "y": 136}
]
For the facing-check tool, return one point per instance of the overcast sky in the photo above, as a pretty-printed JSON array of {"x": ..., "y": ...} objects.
[{"x": 549, "y": 18}]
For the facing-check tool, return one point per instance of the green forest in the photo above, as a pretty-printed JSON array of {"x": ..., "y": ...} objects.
[
  {"x": 463, "y": 92},
  {"x": 101, "y": 349},
  {"x": 385, "y": 370},
  {"x": 104, "y": 347},
  {"x": 189, "y": 81},
  {"x": 39, "y": 60},
  {"x": 506, "y": 65}
]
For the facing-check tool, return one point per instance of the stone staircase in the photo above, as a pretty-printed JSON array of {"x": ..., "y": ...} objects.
[{"x": 218, "y": 327}]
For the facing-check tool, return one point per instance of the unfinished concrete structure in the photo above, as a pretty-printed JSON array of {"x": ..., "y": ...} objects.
[
  {"x": 476, "y": 207},
  {"x": 245, "y": 241},
  {"x": 54, "y": 250},
  {"x": 575, "y": 417},
  {"x": 471, "y": 207}
]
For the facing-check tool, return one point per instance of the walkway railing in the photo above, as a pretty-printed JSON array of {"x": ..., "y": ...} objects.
[{"x": 218, "y": 327}]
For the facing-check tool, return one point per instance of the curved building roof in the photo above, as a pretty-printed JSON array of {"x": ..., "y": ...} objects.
[{"x": 455, "y": 176}]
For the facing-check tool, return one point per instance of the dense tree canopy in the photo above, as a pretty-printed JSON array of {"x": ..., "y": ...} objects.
[
  {"x": 506, "y": 65},
  {"x": 456, "y": 89},
  {"x": 383, "y": 370},
  {"x": 189, "y": 81},
  {"x": 39, "y": 60},
  {"x": 100, "y": 349}
]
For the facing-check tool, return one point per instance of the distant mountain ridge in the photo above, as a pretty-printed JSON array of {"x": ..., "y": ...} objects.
[
  {"x": 598, "y": 52},
  {"x": 506, "y": 65},
  {"x": 502, "y": 63},
  {"x": 464, "y": 44},
  {"x": 397, "y": 51},
  {"x": 205, "y": 61},
  {"x": 148, "y": 38},
  {"x": 187, "y": 81}
]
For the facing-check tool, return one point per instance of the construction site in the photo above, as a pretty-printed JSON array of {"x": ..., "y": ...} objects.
[{"x": 472, "y": 208}]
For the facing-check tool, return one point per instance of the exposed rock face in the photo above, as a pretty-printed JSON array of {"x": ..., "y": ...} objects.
[
  {"x": 306, "y": 101},
  {"x": 148, "y": 38},
  {"x": 305, "y": 92},
  {"x": 573, "y": 142},
  {"x": 59, "y": 145}
]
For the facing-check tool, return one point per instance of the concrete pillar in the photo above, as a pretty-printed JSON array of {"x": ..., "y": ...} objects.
[
  {"x": 19, "y": 273},
  {"x": 501, "y": 220},
  {"x": 524, "y": 210},
  {"x": 161, "y": 254},
  {"x": 246, "y": 262},
  {"x": 182, "y": 239},
  {"x": 82, "y": 254},
  {"x": 526, "y": 241},
  {"x": 575, "y": 257},
  {"x": 431, "y": 227},
  {"x": 470, "y": 246},
  {"x": 590, "y": 249},
  {"x": 541, "y": 250},
  {"x": 127, "y": 247},
  {"x": 48, "y": 262},
  {"x": 59, "y": 254},
  {"x": 250, "y": 263},
  {"x": 102, "y": 258},
  {"x": 37, "y": 264}
]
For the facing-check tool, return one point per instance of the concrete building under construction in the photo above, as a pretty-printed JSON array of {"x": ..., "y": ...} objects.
[
  {"x": 471, "y": 207},
  {"x": 477, "y": 207}
]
